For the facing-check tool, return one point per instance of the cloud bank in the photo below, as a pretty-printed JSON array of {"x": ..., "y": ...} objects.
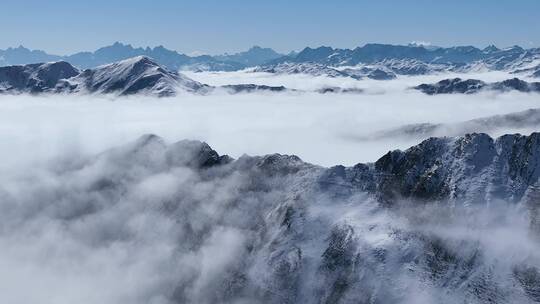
[
  {"x": 322, "y": 129},
  {"x": 149, "y": 222},
  {"x": 139, "y": 225}
]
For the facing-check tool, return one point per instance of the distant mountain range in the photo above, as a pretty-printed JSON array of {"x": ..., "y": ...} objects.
[
  {"x": 118, "y": 51},
  {"x": 398, "y": 59},
  {"x": 414, "y": 59}
]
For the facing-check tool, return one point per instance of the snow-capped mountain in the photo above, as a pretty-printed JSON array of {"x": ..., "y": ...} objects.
[
  {"x": 414, "y": 66},
  {"x": 410, "y": 59},
  {"x": 471, "y": 86},
  {"x": 132, "y": 76},
  {"x": 137, "y": 75},
  {"x": 313, "y": 69},
  {"x": 385, "y": 69},
  {"x": 286, "y": 231},
  {"x": 371, "y": 72},
  {"x": 316, "y": 69},
  {"x": 374, "y": 53},
  {"x": 417, "y": 59}
]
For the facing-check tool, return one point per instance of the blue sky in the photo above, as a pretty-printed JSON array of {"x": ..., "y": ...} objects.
[{"x": 206, "y": 26}]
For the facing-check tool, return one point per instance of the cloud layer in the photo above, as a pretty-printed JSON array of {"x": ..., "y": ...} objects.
[
  {"x": 137, "y": 225},
  {"x": 144, "y": 223},
  {"x": 322, "y": 129}
]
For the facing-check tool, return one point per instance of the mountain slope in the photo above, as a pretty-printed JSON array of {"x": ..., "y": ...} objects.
[{"x": 453, "y": 57}]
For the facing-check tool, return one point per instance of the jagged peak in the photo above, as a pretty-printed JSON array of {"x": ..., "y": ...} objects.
[
  {"x": 491, "y": 49},
  {"x": 120, "y": 44}
]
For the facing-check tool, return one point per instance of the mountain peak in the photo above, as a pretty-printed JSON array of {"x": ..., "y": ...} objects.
[
  {"x": 491, "y": 49},
  {"x": 138, "y": 59},
  {"x": 120, "y": 44},
  {"x": 310, "y": 54}
]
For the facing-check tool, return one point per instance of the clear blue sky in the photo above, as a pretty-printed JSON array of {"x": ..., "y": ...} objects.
[{"x": 216, "y": 26}]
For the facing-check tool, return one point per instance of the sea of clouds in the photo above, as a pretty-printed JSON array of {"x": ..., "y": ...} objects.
[
  {"x": 77, "y": 226},
  {"x": 320, "y": 128}
]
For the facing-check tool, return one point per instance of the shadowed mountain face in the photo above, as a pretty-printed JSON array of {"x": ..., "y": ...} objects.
[
  {"x": 471, "y": 86},
  {"x": 274, "y": 229}
]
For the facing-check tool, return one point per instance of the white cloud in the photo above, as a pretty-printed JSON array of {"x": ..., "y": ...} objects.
[
  {"x": 151, "y": 235},
  {"x": 318, "y": 128}
]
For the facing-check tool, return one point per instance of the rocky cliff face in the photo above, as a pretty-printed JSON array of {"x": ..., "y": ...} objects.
[{"x": 470, "y": 169}]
